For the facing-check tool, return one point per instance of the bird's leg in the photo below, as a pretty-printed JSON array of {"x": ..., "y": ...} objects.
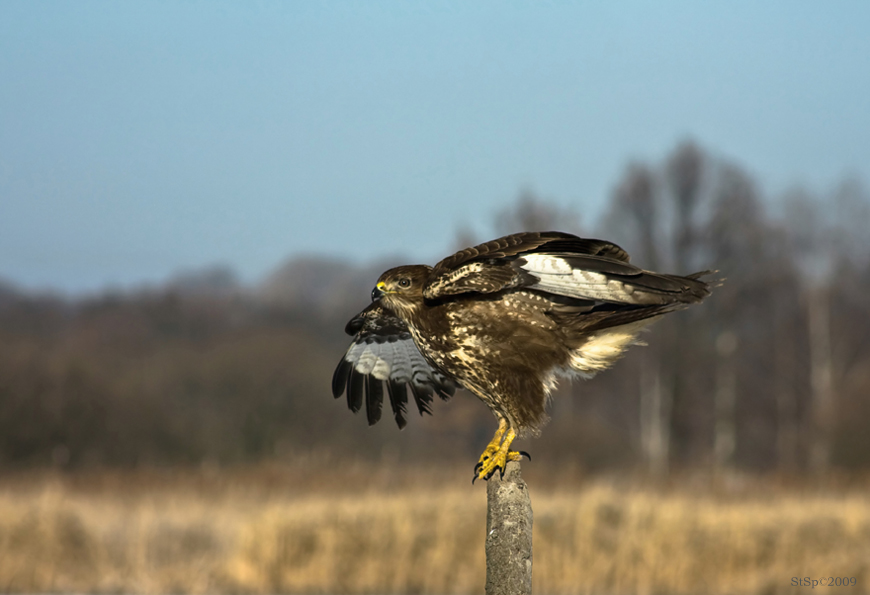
[
  {"x": 497, "y": 453},
  {"x": 493, "y": 445}
]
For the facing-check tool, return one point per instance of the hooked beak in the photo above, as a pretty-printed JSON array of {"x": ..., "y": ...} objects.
[{"x": 378, "y": 292}]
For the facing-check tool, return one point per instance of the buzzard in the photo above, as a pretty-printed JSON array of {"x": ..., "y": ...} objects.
[{"x": 504, "y": 320}]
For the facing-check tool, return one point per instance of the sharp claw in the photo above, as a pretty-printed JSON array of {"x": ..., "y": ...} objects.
[
  {"x": 496, "y": 454},
  {"x": 525, "y": 454}
]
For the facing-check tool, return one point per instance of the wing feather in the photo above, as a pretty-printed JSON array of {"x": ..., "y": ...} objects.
[
  {"x": 594, "y": 278},
  {"x": 355, "y": 388},
  {"x": 374, "y": 398},
  {"x": 486, "y": 268},
  {"x": 340, "y": 376},
  {"x": 398, "y": 401},
  {"x": 383, "y": 351},
  {"x": 559, "y": 264}
]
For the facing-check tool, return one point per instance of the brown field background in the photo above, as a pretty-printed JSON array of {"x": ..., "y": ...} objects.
[
  {"x": 322, "y": 527},
  {"x": 160, "y": 440}
]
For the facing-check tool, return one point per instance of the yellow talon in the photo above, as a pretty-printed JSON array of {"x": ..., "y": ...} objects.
[
  {"x": 497, "y": 453},
  {"x": 493, "y": 445}
]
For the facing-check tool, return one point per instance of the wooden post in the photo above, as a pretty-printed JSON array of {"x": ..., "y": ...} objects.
[{"x": 508, "y": 534}]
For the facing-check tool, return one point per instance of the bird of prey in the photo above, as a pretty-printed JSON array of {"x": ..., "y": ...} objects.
[{"x": 504, "y": 320}]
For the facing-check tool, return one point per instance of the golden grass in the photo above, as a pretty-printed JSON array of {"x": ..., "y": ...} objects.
[{"x": 242, "y": 534}]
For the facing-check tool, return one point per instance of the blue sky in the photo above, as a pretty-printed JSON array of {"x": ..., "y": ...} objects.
[{"x": 140, "y": 139}]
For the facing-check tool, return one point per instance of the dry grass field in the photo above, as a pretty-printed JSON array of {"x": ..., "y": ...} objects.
[{"x": 371, "y": 530}]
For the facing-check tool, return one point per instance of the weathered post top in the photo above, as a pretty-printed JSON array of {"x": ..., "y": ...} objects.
[{"x": 508, "y": 534}]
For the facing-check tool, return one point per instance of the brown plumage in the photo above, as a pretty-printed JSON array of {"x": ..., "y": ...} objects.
[{"x": 504, "y": 320}]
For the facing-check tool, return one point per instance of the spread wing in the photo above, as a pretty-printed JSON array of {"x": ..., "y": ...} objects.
[
  {"x": 383, "y": 352},
  {"x": 580, "y": 273}
]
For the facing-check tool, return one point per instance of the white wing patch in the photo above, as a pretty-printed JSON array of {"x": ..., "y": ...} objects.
[
  {"x": 556, "y": 275},
  {"x": 368, "y": 362},
  {"x": 398, "y": 360}
]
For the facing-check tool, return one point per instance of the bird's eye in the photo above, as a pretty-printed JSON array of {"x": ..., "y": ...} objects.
[{"x": 404, "y": 282}]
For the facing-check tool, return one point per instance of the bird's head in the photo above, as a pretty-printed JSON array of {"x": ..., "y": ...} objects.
[{"x": 401, "y": 288}]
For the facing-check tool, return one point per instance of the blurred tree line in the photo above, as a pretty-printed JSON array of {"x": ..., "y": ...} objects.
[{"x": 771, "y": 373}]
